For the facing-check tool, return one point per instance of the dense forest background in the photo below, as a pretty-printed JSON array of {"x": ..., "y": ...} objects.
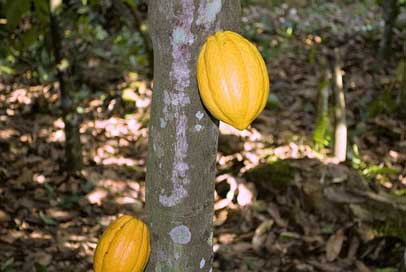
[{"x": 291, "y": 194}]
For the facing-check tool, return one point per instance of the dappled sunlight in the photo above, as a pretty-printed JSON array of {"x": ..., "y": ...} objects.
[
  {"x": 8, "y": 133},
  {"x": 97, "y": 196}
]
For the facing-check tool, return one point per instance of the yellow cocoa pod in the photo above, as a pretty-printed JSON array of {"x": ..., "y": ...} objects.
[
  {"x": 233, "y": 79},
  {"x": 123, "y": 247}
]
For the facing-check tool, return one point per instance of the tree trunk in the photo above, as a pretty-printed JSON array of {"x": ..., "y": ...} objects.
[
  {"x": 183, "y": 136},
  {"x": 73, "y": 146},
  {"x": 402, "y": 78},
  {"x": 340, "y": 126},
  {"x": 390, "y": 13}
]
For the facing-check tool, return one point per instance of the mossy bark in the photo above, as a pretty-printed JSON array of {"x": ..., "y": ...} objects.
[{"x": 183, "y": 136}]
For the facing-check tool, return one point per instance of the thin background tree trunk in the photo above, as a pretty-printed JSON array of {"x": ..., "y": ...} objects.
[
  {"x": 71, "y": 119},
  {"x": 390, "y": 14},
  {"x": 183, "y": 137},
  {"x": 340, "y": 126}
]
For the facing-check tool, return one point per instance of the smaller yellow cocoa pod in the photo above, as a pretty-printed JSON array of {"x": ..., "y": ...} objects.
[{"x": 123, "y": 247}]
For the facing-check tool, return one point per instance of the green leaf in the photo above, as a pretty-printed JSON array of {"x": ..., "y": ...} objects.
[
  {"x": 374, "y": 170},
  {"x": 401, "y": 192},
  {"x": 70, "y": 201},
  {"x": 386, "y": 269},
  {"x": 401, "y": 71},
  {"x": 6, "y": 69},
  {"x": 273, "y": 102},
  {"x": 42, "y": 10},
  {"x": 320, "y": 133},
  {"x": 131, "y": 2},
  {"x": 29, "y": 37},
  {"x": 15, "y": 10},
  {"x": 384, "y": 103},
  {"x": 50, "y": 190},
  {"x": 47, "y": 220},
  {"x": 7, "y": 265},
  {"x": 328, "y": 229},
  {"x": 40, "y": 268}
]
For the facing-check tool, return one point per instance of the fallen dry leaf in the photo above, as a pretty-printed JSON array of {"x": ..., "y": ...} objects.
[{"x": 334, "y": 245}]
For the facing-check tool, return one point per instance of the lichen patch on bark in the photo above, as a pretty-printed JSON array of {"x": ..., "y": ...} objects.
[
  {"x": 181, "y": 40},
  {"x": 202, "y": 263},
  {"x": 199, "y": 115},
  {"x": 180, "y": 235},
  {"x": 198, "y": 127},
  {"x": 208, "y": 11}
]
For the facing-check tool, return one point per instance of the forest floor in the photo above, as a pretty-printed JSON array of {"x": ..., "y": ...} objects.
[{"x": 270, "y": 212}]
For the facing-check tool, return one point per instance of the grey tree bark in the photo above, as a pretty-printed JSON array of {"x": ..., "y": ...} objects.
[{"x": 183, "y": 136}]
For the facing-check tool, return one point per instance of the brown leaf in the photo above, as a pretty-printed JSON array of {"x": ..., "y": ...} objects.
[
  {"x": 334, "y": 245},
  {"x": 61, "y": 215},
  {"x": 261, "y": 235},
  {"x": 23, "y": 179},
  {"x": 226, "y": 238},
  {"x": 241, "y": 247},
  {"x": 12, "y": 236},
  {"x": 361, "y": 267},
  {"x": 42, "y": 258},
  {"x": 3, "y": 217},
  {"x": 220, "y": 217},
  {"x": 354, "y": 245},
  {"x": 274, "y": 212},
  {"x": 340, "y": 195}
]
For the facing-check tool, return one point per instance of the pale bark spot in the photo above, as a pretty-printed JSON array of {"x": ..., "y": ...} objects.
[
  {"x": 199, "y": 115},
  {"x": 180, "y": 235},
  {"x": 210, "y": 239},
  {"x": 198, "y": 127},
  {"x": 163, "y": 122},
  {"x": 202, "y": 263}
]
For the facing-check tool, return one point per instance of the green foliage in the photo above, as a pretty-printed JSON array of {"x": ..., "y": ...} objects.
[
  {"x": 321, "y": 133},
  {"x": 7, "y": 265},
  {"x": 14, "y": 11},
  {"x": 384, "y": 103},
  {"x": 69, "y": 202},
  {"x": 6, "y": 69},
  {"x": 374, "y": 170},
  {"x": 273, "y": 102},
  {"x": 369, "y": 171},
  {"x": 40, "y": 268},
  {"x": 386, "y": 269},
  {"x": 90, "y": 32},
  {"x": 322, "y": 129},
  {"x": 401, "y": 192},
  {"x": 42, "y": 10},
  {"x": 393, "y": 229},
  {"x": 401, "y": 71},
  {"x": 46, "y": 220},
  {"x": 278, "y": 173}
]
